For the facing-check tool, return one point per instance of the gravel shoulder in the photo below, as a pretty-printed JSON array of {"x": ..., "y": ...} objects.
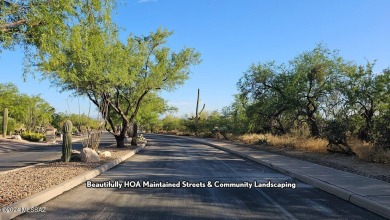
[
  {"x": 338, "y": 161},
  {"x": 22, "y": 183}
]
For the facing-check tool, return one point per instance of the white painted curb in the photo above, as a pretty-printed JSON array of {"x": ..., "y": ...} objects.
[{"x": 48, "y": 194}]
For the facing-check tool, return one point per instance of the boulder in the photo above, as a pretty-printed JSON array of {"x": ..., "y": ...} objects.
[
  {"x": 105, "y": 154},
  {"x": 89, "y": 156},
  {"x": 75, "y": 152},
  {"x": 16, "y": 137}
]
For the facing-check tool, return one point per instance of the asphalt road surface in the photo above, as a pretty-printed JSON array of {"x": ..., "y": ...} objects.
[
  {"x": 21, "y": 154},
  {"x": 169, "y": 159}
]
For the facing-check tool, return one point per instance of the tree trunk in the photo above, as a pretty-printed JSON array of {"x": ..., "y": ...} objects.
[
  {"x": 311, "y": 109},
  {"x": 134, "y": 135},
  {"x": 120, "y": 138},
  {"x": 365, "y": 131},
  {"x": 314, "y": 130},
  {"x": 120, "y": 141}
]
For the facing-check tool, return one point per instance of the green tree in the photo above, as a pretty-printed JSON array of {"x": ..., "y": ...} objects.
[
  {"x": 44, "y": 23},
  {"x": 117, "y": 77},
  {"x": 282, "y": 96},
  {"x": 171, "y": 123},
  {"x": 271, "y": 95},
  {"x": 235, "y": 117},
  {"x": 316, "y": 75},
  {"x": 151, "y": 109},
  {"x": 367, "y": 95},
  {"x": 31, "y": 111},
  {"x": 8, "y": 95},
  {"x": 38, "y": 113}
]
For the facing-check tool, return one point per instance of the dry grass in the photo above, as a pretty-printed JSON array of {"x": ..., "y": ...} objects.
[
  {"x": 363, "y": 150},
  {"x": 309, "y": 144},
  {"x": 175, "y": 132},
  {"x": 251, "y": 138},
  {"x": 368, "y": 152}
]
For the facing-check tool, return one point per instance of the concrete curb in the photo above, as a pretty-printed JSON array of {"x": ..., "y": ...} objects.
[
  {"x": 15, "y": 209},
  {"x": 342, "y": 193}
]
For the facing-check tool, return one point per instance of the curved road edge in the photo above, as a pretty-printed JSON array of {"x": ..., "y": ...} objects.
[
  {"x": 338, "y": 191},
  {"x": 50, "y": 193}
]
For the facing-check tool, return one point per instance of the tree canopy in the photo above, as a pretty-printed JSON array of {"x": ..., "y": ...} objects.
[
  {"x": 29, "y": 112},
  {"x": 117, "y": 77}
]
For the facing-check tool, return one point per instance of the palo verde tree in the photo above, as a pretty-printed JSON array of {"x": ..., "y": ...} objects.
[{"x": 116, "y": 77}]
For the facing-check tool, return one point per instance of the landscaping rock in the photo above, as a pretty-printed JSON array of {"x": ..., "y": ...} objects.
[
  {"x": 75, "y": 152},
  {"x": 105, "y": 154},
  {"x": 16, "y": 137},
  {"x": 89, "y": 156}
]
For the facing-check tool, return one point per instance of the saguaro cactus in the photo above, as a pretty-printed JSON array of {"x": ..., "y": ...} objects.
[
  {"x": 134, "y": 137},
  {"x": 5, "y": 122},
  {"x": 197, "y": 114},
  {"x": 67, "y": 141}
]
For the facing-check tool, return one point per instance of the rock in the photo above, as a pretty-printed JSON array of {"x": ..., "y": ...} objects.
[
  {"x": 75, "y": 158},
  {"x": 16, "y": 137},
  {"x": 105, "y": 154},
  {"x": 75, "y": 152},
  {"x": 89, "y": 156}
]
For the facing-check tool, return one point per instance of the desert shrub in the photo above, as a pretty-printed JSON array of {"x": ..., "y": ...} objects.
[
  {"x": 206, "y": 135},
  {"x": 92, "y": 139},
  {"x": 253, "y": 138},
  {"x": 34, "y": 137},
  {"x": 368, "y": 151},
  {"x": 382, "y": 131},
  {"x": 335, "y": 132}
]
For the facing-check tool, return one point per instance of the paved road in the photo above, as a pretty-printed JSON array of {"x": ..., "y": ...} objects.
[
  {"x": 25, "y": 154},
  {"x": 172, "y": 159}
]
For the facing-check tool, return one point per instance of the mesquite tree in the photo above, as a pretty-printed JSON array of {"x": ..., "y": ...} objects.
[
  {"x": 284, "y": 95},
  {"x": 117, "y": 77}
]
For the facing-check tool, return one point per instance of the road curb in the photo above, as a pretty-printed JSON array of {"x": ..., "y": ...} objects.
[
  {"x": 35, "y": 200},
  {"x": 342, "y": 193}
]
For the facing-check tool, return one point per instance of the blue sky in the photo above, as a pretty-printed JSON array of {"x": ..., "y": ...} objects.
[{"x": 231, "y": 35}]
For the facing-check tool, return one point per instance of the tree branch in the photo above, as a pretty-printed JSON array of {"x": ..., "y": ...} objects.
[{"x": 138, "y": 105}]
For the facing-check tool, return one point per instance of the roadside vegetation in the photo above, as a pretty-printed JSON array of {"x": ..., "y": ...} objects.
[
  {"x": 70, "y": 44},
  {"x": 29, "y": 116},
  {"x": 318, "y": 102}
]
